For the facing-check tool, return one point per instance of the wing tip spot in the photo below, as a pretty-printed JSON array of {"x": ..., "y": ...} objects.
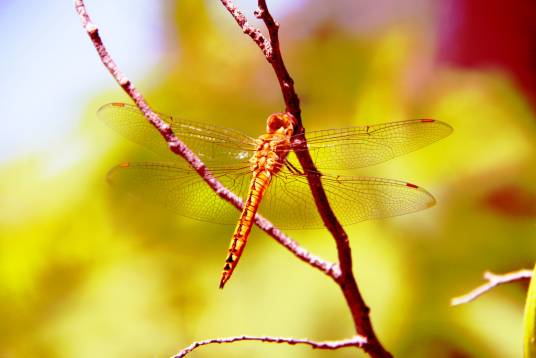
[
  {"x": 124, "y": 165},
  {"x": 427, "y": 120},
  {"x": 412, "y": 185},
  {"x": 117, "y": 104}
]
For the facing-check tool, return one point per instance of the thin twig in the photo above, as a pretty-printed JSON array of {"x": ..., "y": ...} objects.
[
  {"x": 179, "y": 148},
  {"x": 346, "y": 281},
  {"x": 493, "y": 281},
  {"x": 292, "y": 101},
  {"x": 356, "y": 341},
  {"x": 257, "y": 36}
]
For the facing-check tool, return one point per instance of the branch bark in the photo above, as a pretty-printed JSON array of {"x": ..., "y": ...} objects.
[
  {"x": 493, "y": 280},
  {"x": 346, "y": 281}
]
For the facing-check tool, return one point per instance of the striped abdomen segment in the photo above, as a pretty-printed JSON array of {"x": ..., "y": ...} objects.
[{"x": 259, "y": 183}]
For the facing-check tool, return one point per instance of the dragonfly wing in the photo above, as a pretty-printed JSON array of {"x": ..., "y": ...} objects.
[
  {"x": 179, "y": 188},
  {"x": 212, "y": 144},
  {"x": 357, "y": 147},
  {"x": 289, "y": 204}
]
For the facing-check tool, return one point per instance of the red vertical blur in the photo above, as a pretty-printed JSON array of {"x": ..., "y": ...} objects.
[{"x": 491, "y": 33}]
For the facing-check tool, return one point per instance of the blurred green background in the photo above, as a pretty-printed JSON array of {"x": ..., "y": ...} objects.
[{"x": 87, "y": 272}]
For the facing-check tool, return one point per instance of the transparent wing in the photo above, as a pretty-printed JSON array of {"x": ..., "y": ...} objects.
[
  {"x": 179, "y": 188},
  {"x": 211, "y": 143},
  {"x": 357, "y": 147},
  {"x": 288, "y": 202}
]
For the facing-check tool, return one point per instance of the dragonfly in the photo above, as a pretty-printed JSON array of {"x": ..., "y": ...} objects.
[{"x": 265, "y": 172}]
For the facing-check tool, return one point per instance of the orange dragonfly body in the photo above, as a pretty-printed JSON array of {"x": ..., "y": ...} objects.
[{"x": 265, "y": 172}]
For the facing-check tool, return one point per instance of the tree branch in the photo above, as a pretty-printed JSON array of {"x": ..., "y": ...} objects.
[
  {"x": 346, "y": 281},
  {"x": 493, "y": 281},
  {"x": 356, "y": 341},
  {"x": 343, "y": 275},
  {"x": 179, "y": 148}
]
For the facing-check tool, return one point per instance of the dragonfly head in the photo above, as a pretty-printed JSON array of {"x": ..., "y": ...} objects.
[{"x": 281, "y": 123}]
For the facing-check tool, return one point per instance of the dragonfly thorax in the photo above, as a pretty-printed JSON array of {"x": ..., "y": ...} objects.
[
  {"x": 272, "y": 150},
  {"x": 273, "y": 147}
]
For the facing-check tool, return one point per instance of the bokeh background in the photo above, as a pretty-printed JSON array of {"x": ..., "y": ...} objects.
[{"x": 87, "y": 272}]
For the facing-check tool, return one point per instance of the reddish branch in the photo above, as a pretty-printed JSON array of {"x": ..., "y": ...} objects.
[
  {"x": 346, "y": 281},
  {"x": 493, "y": 280},
  {"x": 179, "y": 148},
  {"x": 356, "y": 341},
  {"x": 271, "y": 50},
  {"x": 342, "y": 273}
]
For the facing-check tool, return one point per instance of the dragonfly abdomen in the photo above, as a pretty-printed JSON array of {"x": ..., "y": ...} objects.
[
  {"x": 268, "y": 159},
  {"x": 259, "y": 183}
]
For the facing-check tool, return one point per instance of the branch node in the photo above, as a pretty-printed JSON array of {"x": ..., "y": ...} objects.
[
  {"x": 91, "y": 28},
  {"x": 123, "y": 81}
]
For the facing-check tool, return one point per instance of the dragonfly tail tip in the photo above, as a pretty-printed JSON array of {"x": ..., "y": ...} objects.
[{"x": 223, "y": 281}]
